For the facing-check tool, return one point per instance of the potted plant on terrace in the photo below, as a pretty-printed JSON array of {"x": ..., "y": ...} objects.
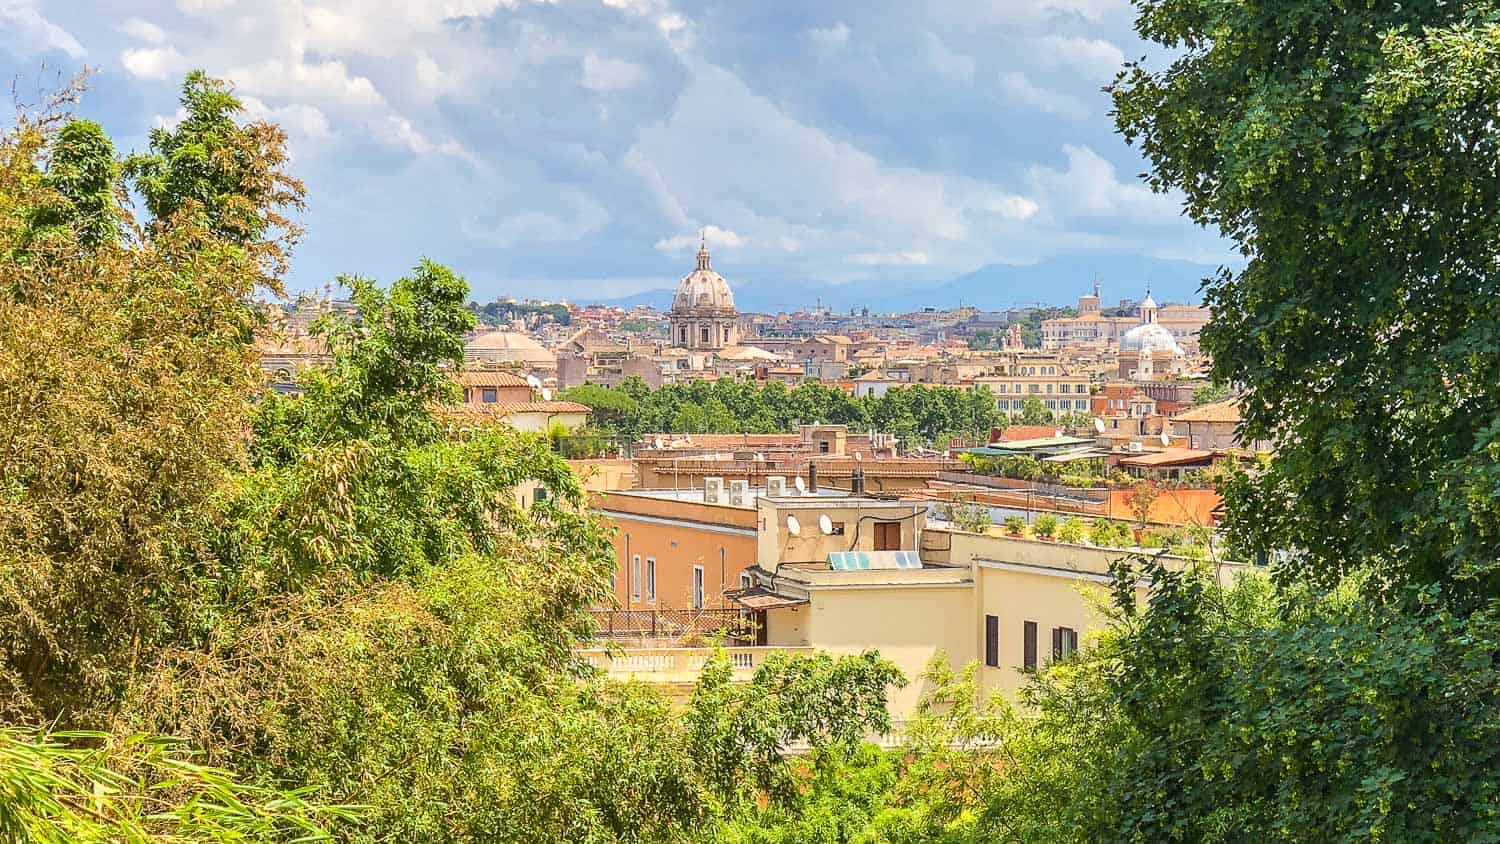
[
  {"x": 1046, "y": 526},
  {"x": 1015, "y": 525}
]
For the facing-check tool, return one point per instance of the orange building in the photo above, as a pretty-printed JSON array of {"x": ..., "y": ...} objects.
[{"x": 673, "y": 550}]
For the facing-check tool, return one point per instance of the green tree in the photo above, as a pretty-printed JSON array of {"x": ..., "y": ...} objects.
[
  {"x": 1033, "y": 412},
  {"x": 230, "y": 176},
  {"x": 84, "y": 173},
  {"x": 1210, "y": 393},
  {"x": 1346, "y": 152}
]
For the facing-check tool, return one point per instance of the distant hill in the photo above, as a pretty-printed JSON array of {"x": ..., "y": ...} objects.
[{"x": 1058, "y": 281}]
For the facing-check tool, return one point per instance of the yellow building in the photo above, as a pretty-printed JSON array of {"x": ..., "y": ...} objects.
[
  {"x": 1008, "y": 603},
  {"x": 845, "y": 574}
]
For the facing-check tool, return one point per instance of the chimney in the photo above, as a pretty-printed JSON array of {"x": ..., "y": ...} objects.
[{"x": 812, "y": 476}]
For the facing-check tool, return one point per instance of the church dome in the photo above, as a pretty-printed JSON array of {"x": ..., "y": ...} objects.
[
  {"x": 703, "y": 290},
  {"x": 1149, "y": 337},
  {"x": 507, "y": 347}
]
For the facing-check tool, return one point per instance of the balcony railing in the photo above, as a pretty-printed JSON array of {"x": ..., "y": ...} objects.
[
  {"x": 678, "y": 664},
  {"x": 673, "y": 624}
]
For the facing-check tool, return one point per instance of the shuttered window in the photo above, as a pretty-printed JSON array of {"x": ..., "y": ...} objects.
[
  {"x": 992, "y": 641},
  {"x": 1064, "y": 642},
  {"x": 1028, "y": 656}
]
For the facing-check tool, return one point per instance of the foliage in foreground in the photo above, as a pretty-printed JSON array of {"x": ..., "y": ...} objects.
[{"x": 66, "y": 787}]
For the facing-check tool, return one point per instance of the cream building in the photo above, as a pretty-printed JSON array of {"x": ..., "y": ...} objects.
[{"x": 1091, "y": 327}]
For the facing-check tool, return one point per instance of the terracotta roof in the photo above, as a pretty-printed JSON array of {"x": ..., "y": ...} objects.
[
  {"x": 490, "y": 378},
  {"x": 1027, "y": 432},
  {"x": 506, "y": 408},
  {"x": 1169, "y": 457},
  {"x": 760, "y": 598},
  {"x": 1219, "y": 411}
]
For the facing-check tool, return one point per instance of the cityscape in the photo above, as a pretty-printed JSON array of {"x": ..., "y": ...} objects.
[{"x": 749, "y": 466}]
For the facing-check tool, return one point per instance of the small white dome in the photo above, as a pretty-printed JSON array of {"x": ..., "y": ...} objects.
[{"x": 1149, "y": 337}]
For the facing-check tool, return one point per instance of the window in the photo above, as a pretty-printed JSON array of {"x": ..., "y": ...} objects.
[
  {"x": 887, "y": 536},
  {"x": 837, "y": 529},
  {"x": 1028, "y": 646},
  {"x": 823, "y": 446},
  {"x": 682, "y": 333},
  {"x": 1034, "y": 388},
  {"x": 635, "y": 577},
  {"x": 650, "y": 581},
  {"x": 489, "y": 395},
  {"x": 697, "y": 587},
  {"x": 1049, "y": 389},
  {"x": 704, "y": 334},
  {"x": 1064, "y": 642},
  {"x": 992, "y": 641},
  {"x": 746, "y": 581}
]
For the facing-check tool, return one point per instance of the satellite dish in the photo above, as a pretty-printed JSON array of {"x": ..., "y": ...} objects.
[
  {"x": 546, "y": 394},
  {"x": 534, "y": 382},
  {"x": 1165, "y": 440},
  {"x": 793, "y": 526},
  {"x": 825, "y": 524},
  {"x": 800, "y": 484},
  {"x": 1098, "y": 424},
  {"x": 660, "y": 443},
  {"x": 859, "y": 458}
]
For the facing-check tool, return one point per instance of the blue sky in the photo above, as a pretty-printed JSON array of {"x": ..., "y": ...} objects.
[{"x": 574, "y": 148}]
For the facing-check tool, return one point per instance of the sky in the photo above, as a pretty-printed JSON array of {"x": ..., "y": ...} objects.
[{"x": 576, "y": 148}]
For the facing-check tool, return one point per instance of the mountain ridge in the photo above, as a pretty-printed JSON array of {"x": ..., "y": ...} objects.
[{"x": 993, "y": 287}]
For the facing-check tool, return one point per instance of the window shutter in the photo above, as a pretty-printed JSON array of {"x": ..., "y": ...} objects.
[
  {"x": 992, "y": 641},
  {"x": 1029, "y": 645},
  {"x": 1057, "y": 643}
]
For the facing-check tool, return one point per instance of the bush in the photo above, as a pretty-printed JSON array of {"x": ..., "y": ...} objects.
[
  {"x": 1046, "y": 525},
  {"x": 1071, "y": 530},
  {"x": 1015, "y": 525}
]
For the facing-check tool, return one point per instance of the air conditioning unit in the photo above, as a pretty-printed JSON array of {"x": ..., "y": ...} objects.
[
  {"x": 738, "y": 492},
  {"x": 776, "y": 486},
  {"x": 713, "y": 490},
  {"x": 1135, "y": 448}
]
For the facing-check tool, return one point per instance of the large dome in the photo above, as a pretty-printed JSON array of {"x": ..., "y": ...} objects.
[
  {"x": 1149, "y": 337},
  {"x": 703, "y": 290},
  {"x": 507, "y": 347}
]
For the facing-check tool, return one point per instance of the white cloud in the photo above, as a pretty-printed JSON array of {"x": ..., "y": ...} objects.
[
  {"x": 1094, "y": 57},
  {"x": 1089, "y": 189},
  {"x": 1090, "y": 10},
  {"x": 610, "y": 75},
  {"x": 305, "y": 125},
  {"x": 153, "y": 63},
  {"x": 324, "y": 83},
  {"x": 1008, "y": 207},
  {"x": 890, "y": 259},
  {"x": 401, "y": 130},
  {"x": 571, "y": 216},
  {"x": 143, "y": 31},
  {"x": 30, "y": 31},
  {"x": 946, "y": 63},
  {"x": 715, "y": 236},
  {"x": 1016, "y": 89},
  {"x": 829, "y": 40}
]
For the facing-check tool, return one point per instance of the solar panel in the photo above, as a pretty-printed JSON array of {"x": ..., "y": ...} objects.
[{"x": 867, "y": 560}]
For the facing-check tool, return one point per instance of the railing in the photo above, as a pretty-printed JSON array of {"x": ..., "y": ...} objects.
[
  {"x": 672, "y": 624},
  {"x": 677, "y": 664}
]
